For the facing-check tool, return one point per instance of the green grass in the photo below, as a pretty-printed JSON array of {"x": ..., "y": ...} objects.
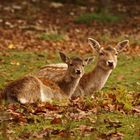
[
  {"x": 88, "y": 18},
  {"x": 16, "y": 64},
  {"x": 133, "y": 39},
  {"x": 52, "y": 36},
  {"x": 124, "y": 78},
  {"x": 127, "y": 73},
  {"x": 129, "y": 124}
]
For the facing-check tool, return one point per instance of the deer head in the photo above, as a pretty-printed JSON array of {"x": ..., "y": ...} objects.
[
  {"x": 75, "y": 65},
  {"x": 107, "y": 57}
]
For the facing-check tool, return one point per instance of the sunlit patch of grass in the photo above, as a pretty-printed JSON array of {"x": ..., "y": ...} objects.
[
  {"x": 104, "y": 38},
  {"x": 41, "y": 123},
  {"x": 129, "y": 124},
  {"x": 52, "y": 36},
  {"x": 127, "y": 73},
  {"x": 15, "y": 64},
  {"x": 32, "y": 128},
  {"x": 116, "y": 99},
  {"x": 88, "y": 18}
]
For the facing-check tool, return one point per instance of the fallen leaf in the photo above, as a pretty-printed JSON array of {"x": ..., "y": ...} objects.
[{"x": 56, "y": 121}]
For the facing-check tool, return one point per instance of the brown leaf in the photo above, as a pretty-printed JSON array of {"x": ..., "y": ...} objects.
[
  {"x": 56, "y": 121},
  {"x": 120, "y": 77},
  {"x": 51, "y": 107},
  {"x": 42, "y": 134},
  {"x": 85, "y": 128}
]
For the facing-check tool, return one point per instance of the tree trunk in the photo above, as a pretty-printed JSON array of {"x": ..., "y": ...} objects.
[{"x": 104, "y": 6}]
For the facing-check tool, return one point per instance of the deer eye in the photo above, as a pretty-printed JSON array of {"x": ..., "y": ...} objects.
[
  {"x": 116, "y": 54},
  {"x": 101, "y": 53},
  {"x": 83, "y": 65},
  {"x": 71, "y": 64}
]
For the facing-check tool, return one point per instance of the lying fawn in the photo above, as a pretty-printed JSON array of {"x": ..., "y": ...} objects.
[
  {"x": 96, "y": 79},
  {"x": 30, "y": 89}
]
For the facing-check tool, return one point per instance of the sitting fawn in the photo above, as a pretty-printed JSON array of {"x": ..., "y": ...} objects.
[
  {"x": 30, "y": 89},
  {"x": 94, "y": 80}
]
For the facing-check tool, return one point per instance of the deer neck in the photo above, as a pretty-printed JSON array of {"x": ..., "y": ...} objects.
[
  {"x": 68, "y": 84},
  {"x": 94, "y": 80}
]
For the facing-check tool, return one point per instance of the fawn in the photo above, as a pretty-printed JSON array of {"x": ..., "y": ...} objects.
[
  {"x": 96, "y": 79},
  {"x": 30, "y": 89}
]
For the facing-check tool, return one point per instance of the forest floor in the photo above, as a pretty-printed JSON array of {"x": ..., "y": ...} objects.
[{"x": 33, "y": 32}]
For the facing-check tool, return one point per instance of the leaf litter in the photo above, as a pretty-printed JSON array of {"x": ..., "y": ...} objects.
[
  {"x": 66, "y": 120},
  {"x": 19, "y": 32}
]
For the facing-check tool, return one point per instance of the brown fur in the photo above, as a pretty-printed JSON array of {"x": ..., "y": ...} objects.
[
  {"x": 70, "y": 80},
  {"x": 31, "y": 89},
  {"x": 96, "y": 79},
  {"x": 20, "y": 88}
]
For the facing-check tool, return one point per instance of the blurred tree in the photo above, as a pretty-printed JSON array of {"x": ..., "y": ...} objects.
[
  {"x": 71, "y": 1},
  {"x": 104, "y": 6},
  {"x": 65, "y": 1}
]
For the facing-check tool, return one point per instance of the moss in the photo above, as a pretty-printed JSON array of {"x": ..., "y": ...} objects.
[
  {"x": 88, "y": 18},
  {"x": 52, "y": 36}
]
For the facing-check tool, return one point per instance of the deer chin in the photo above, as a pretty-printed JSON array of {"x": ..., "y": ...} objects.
[
  {"x": 76, "y": 76},
  {"x": 110, "y": 67}
]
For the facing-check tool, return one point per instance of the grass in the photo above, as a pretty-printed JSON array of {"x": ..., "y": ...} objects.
[
  {"x": 52, "y": 36},
  {"x": 126, "y": 73},
  {"x": 88, "y": 18},
  {"x": 130, "y": 124},
  {"x": 16, "y": 64},
  {"x": 125, "y": 78},
  {"x": 108, "y": 36}
]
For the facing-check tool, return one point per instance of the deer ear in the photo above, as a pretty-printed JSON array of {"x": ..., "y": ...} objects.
[
  {"x": 94, "y": 44},
  {"x": 88, "y": 60},
  {"x": 64, "y": 57},
  {"x": 122, "y": 45}
]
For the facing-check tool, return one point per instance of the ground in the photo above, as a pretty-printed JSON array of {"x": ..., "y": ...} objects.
[{"x": 32, "y": 33}]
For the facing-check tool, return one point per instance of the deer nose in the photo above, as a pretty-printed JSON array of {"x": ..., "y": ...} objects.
[
  {"x": 78, "y": 72},
  {"x": 110, "y": 63}
]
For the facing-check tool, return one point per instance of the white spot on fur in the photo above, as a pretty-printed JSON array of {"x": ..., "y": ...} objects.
[
  {"x": 23, "y": 100},
  {"x": 58, "y": 65},
  {"x": 44, "y": 97}
]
